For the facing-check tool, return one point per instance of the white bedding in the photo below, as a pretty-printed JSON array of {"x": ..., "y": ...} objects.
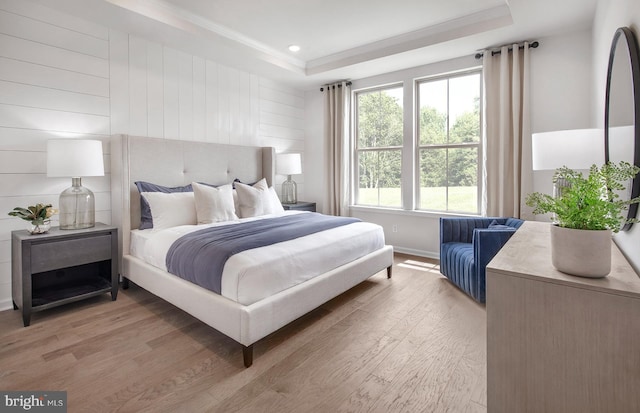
[{"x": 255, "y": 274}]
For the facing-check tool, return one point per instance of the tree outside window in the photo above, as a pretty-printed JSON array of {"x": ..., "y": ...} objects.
[
  {"x": 449, "y": 143},
  {"x": 379, "y": 135}
]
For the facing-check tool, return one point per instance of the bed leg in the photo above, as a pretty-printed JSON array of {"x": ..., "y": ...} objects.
[
  {"x": 389, "y": 271},
  {"x": 125, "y": 283},
  {"x": 247, "y": 354}
]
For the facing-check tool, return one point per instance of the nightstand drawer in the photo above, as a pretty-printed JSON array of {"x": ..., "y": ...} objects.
[
  {"x": 60, "y": 254},
  {"x": 300, "y": 206}
]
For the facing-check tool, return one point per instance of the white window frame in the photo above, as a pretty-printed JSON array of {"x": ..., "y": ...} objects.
[
  {"x": 409, "y": 79},
  {"x": 418, "y": 147},
  {"x": 355, "y": 172}
]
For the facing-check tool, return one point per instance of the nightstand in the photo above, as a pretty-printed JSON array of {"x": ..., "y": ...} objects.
[
  {"x": 62, "y": 266},
  {"x": 301, "y": 206}
]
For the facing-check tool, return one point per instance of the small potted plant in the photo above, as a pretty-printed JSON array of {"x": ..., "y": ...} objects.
[
  {"x": 586, "y": 210},
  {"x": 38, "y": 215}
]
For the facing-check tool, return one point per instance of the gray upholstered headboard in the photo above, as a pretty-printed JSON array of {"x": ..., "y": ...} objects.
[{"x": 175, "y": 163}]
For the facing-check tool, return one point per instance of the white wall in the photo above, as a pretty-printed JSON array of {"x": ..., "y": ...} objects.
[
  {"x": 560, "y": 99},
  {"x": 61, "y": 76},
  {"x": 561, "y": 90},
  {"x": 610, "y": 15}
]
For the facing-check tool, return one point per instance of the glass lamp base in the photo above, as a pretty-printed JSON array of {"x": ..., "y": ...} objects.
[
  {"x": 559, "y": 186},
  {"x": 77, "y": 207},
  {"x": 289, "y": 192}
]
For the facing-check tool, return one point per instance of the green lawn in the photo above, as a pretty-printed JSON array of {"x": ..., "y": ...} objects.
[{"x": 461, "y": 198}]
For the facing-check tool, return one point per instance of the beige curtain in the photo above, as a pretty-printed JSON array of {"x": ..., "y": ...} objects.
[
  {"x": 507, "y": 151},
  {"x": 337, "y": 100}
]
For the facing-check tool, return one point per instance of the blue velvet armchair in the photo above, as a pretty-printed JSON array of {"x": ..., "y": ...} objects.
[{"x": 466, "y": 247}]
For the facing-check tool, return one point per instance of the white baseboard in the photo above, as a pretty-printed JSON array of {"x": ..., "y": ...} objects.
[
  {"x": 419, "y": 253},
  {"x": 6, "y": 304}
]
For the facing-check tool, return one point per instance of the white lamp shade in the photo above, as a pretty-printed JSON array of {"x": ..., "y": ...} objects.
[
  {"x": 288, "y": 164},
  {"x": 74, "y": 158},
  {"x": 575, "y": 149}
]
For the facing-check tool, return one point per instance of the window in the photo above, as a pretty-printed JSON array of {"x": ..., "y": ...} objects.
[
  {"x": 379, "y": 132},
  {"x": 448, "y": 143}
]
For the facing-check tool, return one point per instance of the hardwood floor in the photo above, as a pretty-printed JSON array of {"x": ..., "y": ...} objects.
[{"x": 414, "y": 343}]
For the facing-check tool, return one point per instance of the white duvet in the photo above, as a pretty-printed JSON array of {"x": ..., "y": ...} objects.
[{"x": 258, "y": 273}]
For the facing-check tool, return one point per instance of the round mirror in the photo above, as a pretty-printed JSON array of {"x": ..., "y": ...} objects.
[{"x": 622, "y": 109}]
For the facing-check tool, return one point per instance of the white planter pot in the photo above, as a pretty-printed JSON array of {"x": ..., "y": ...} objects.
[{"x": 581, "y": 252}]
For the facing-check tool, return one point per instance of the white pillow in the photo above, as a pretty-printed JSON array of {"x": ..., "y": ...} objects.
[
  {"x": 275, "y": 204},
  {"x": 213, "y": 204},
  {"x": 257, "y": 200},
  {"x": 171, "y": 210}
]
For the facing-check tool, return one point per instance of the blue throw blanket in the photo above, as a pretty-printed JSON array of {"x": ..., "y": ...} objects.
[{"x": 200, "y": 256}]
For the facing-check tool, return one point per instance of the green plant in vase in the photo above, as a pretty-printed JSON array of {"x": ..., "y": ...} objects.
[
  {"x": 587, "y": 209},
  {"x": 38, "y": 215},
  {"x": 590, "y": 202}
]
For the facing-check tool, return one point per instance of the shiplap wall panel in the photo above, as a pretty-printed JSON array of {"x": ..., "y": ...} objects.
[
  {"x": 282, "y": 145},
  {"x": 235, "y": 118},
  {"x": 281, "y": 132},
  {"x": 5, "y": 251},
  {"x": 23, "y": 162},
  {"x": 137, "y": 86},
  {"x": 31, "y": 162},
  {"x": 280, "y": 96},
  {"x": 255, "y": 108},
  {"x": 12, "y": 139},
  {"x": 51, "y": 77},
  {"x": 211, "y": 93},
  {"x": 119, "y": 81},
  {"x": 199, "y": 99},
  {"x": 171, "y": 94},
  {"x": 269, "y": 106},
  {"x": 34, "y": 184},
  {"x": 54, "y": 83},
  {"x": 56, "y": 19},
  {"x": 42, "y": 97},
  {"x": 42, "y": 54},
  {"x": 103, "y": 203},
  {"x": 29, "y": 29},
  {"x": 5, "y": 289},
  {"x": 280, "y": 120},
  {"x": 185, "y": 99},
  {"x": 155, "y": 95},
  {"x": 13, "y": 116},
  {"x": 224, "y": 113}
]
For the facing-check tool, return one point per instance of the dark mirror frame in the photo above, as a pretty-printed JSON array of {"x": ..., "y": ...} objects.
[{"x": 632, "y": 51}]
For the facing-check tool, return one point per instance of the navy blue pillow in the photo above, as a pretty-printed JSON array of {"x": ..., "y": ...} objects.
[
  {"x": 494, "y": 225},
  {"x": 146, "y": 221}
]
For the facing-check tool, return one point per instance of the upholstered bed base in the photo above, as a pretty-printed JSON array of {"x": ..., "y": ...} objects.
[
  {"x": 175, "y": 163},
  {"x": 248, "y": 324}
]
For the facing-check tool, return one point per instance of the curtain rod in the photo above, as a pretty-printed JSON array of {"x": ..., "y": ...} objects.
[
  {"x": 334, "y": 86},
  {"x": 532, "y": 45}
]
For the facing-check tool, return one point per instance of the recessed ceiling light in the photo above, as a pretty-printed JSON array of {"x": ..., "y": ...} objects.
[{"x": 294, "y": 48}]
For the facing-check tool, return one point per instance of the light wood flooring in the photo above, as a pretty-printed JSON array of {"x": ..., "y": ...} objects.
[{"x": 414, "y": 343}]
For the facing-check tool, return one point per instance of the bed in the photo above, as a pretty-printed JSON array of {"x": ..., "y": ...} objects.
[{"x": 245, "y": 317}]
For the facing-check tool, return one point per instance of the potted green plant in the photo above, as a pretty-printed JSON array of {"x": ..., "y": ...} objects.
[{"x": 586, "y": 211}]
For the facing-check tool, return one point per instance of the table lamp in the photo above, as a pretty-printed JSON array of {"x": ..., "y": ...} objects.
[
  {"x": 289, "y": 164},
  {"x": 575, "y": 149},
  {"x": 75, "y": 158}
]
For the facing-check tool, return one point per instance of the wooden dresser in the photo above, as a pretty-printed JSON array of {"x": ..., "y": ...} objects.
[{"x": 559, "y": 343}]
